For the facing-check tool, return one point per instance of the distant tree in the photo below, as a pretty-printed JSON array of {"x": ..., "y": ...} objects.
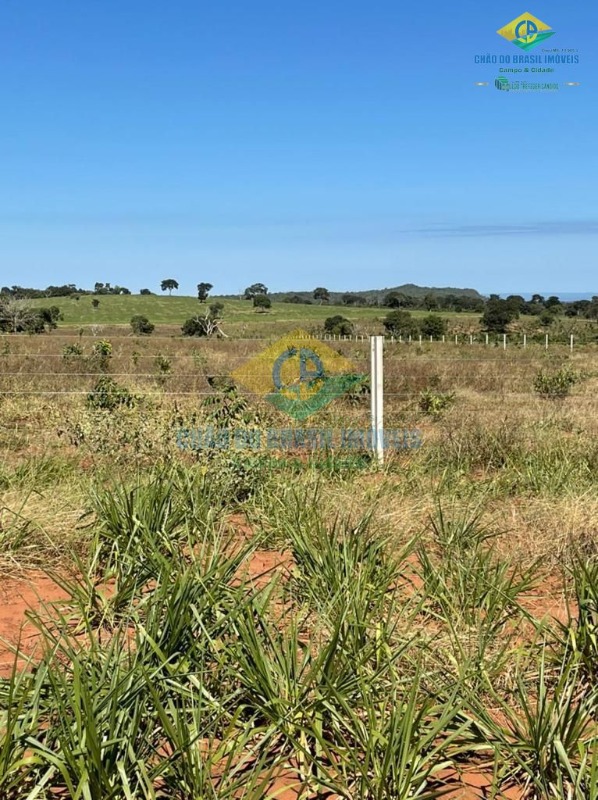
[
  {"x": 517, "y": 303},
  {"x": 15, "y": 315},
  {"x": 262, "y": 302},
  {"x": 95, "y": 302},
  {"x": 206, "y": 325},
  {"x": 98, "y": 288},
  {"x": 145, "y": 292},
  {"x": 350, "y": 299},
  {"x": 397, "y": 300},
  {"x": 293, "y": 298},
  {"x": 168, "y": 284},
  {"x": 322, "y": 294},
  {"x": 552, "y": 301},
  {"x": 141, "y": 325},
  {"x": 216, "y": 310},
  {"x": 400, "y": 323},
  {"x": 18, "y": 317},
  {"x": 537, "y": 299},
  {"x": 338, "y": 326},
  {"x": 591, "y": 311},
  {"x": 254, "y": 290},
  {"x": 433, "y": 325},
  {"x": 578, "y": 308},
  {"x": 430, "y": 302},
  {"x": 497, "y": 316},
  {"x": 547, "y": 318},
  {"x": 50, "y": 317},
  {"x": 203, "y": 290}
]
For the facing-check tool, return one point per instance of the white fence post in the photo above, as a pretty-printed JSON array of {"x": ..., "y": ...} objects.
[
  {"x": 546, "y": 345},
  {"x": 504, "y": 341},
  {"x": 486, "y": 340},
  {"x": 377, "y": 401},
  {"x": 524, "y": 340},
  {"x": 571, "y": 342}
]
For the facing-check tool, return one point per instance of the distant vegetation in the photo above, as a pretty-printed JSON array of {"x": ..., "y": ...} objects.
[{"x": 400, "y": 310}]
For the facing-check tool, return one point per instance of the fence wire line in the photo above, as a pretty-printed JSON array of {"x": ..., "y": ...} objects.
[{"x": 66, "y": 393}]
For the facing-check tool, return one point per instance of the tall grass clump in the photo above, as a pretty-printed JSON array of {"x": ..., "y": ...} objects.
[{"x": 472, "y": 591}]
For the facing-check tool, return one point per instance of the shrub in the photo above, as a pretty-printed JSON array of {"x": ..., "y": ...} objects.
[
  {"x": 72, "y": 351},
  {"x": 338, "y": 326},
  {"x": 107, "y": 395},
  {"x": 400, "y": 323},
  {"x": 205, "y": 325},
  {"x": 433, "y": 325},
  {"x": 141, "y": 325},
  {"x": 101, "y": 353},
  {"x": 102, "y": 348},
  {"x": 262, "y": 302},
  {"x": 216, "y": 310},
  {"x": 17, "y": 317},
  {"x": 162, "y": 365},
  {"x": 498, "y": 315},
  {"x": 547, "y": 318},
  {"x": 555, "y": 384},
  {"x": 434, "y": 404}
]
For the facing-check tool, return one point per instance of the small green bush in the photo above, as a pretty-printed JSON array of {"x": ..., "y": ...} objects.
[
  {"x": 108, "y": 395},
  {"x": 262, "y": 302},
  {"x": 434, "y": 326},
  {"x": 338, "y": 326},
  {"x": 72, "y": 351},
  {"x": 141, "y": 325},
  {"x": 401, "y": 323},
  {"x": 434, "y": 403},
  {"x": 554, "y": 385}
]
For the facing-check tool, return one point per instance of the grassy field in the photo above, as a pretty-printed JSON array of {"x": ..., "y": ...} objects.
[
  {"x": 257, "y": 623},
  {"x": 118, "y": 310},
  {"x": 240, "y": 319}
]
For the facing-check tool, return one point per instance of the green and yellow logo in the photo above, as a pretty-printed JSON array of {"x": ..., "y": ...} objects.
[
  {"x": 298, "y": 375},
  {"x": 526, "y": 31}
]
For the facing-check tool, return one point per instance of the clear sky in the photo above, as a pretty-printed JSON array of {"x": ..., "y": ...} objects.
[{"x": 293, "y": 143}]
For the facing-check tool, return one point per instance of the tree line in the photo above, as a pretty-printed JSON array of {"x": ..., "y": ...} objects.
[{"x": 496, "y": 313}]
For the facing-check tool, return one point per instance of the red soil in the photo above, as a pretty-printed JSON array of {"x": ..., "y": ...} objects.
[{"x": 18, "y": 596}]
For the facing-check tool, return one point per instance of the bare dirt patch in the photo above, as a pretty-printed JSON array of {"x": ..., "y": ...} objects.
[{"x": 18, "y": 596}]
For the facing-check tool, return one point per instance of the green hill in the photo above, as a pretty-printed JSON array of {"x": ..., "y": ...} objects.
[
  {"x": 377, "y": 295},
  {"x": 164, "y": 310}
]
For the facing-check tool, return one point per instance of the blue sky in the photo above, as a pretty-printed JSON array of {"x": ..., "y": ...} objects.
[{"x": 297, "y": 144}]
